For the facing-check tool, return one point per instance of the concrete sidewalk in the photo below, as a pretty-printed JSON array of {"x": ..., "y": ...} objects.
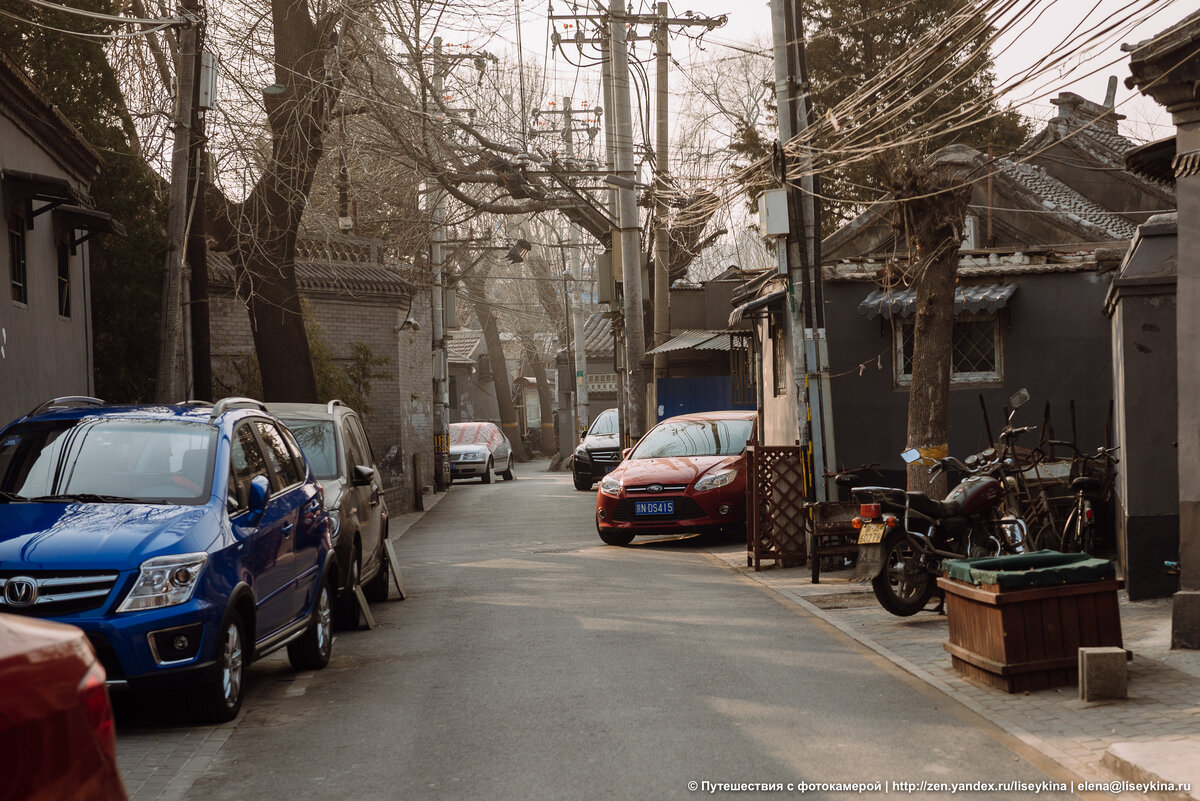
[{"x": 1152, "y": 736}]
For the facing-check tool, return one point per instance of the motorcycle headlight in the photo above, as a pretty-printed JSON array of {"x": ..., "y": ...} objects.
[
  {"x": 610, "y": 486},
  {"x": 714, "y": 480},
  {"x": 165, "y": 581}
]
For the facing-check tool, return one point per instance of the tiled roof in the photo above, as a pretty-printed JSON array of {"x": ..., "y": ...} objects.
[
  {"x": 695, "y": 340},
  {"x": 343, "y": 277},
  {"x": 903, "y": 303},
  {"x": 1058, "y": 197},
  {"x": 465, "y": 342},
  {"x": 598, "y": 336}
]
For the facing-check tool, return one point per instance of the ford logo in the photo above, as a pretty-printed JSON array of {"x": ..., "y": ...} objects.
[
  {"x": 655, "y": 488},
  {"x": 20, "y": 591}
]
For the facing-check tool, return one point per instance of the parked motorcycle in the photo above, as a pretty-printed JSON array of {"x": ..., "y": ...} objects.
[{"x": 904, "y": 536}]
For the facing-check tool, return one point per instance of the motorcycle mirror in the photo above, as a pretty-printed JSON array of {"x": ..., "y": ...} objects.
[
  {"x": 911, "y": 455},
  {"x": 1019, "y": 398}
]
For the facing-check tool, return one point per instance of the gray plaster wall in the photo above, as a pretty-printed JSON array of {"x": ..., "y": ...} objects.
[
  {"x": 1188, "y": 331},
  {"x": 1147, "y": 494},
  {"x": 1056, "y": 342},
  {"x": 42, "y": 354}
]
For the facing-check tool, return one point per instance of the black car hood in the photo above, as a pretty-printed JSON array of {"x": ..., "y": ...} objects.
[{"x": 597, "y": 441}]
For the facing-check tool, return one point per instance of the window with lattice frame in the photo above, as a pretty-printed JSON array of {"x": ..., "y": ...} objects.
[
  {"x": 779, "y": 352},
  {"x": 977, "y": 356}
]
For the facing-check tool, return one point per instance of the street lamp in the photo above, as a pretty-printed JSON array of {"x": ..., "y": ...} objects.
[{"x": 516, "y": 254}]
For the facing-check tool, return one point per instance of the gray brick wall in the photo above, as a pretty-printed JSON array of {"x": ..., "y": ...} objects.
[{"x": 400, "y": 421}]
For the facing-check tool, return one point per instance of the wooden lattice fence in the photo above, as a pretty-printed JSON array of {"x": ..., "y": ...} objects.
[{"x": 777, "y": 482}]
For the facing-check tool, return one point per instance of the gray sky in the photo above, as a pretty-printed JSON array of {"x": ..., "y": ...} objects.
[{"x": 749, "y": 19}]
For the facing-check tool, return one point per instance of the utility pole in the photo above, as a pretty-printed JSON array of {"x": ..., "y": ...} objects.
[
  {"x": 437, "y": 258},
  {"x": 169, "y": 388},
  {"x": 662, "y": 244},
  {"x": 622, "y": 198},
  {"x": 576, "y": 306},
  {"x": 799, "y": 254},
  {"x": 614, "y": 252},
  {"x": 629, "y": 227},
  {"x": 441, "y": 427},
  {"x": 197, "y": 242}
]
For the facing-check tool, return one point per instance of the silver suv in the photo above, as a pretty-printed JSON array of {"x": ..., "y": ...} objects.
[{"x": 332, "y": 438}]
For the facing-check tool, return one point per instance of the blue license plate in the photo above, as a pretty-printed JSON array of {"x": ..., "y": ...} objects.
[{"x": 654, "y": 507}]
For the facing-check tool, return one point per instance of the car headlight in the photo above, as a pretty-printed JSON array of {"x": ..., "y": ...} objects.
[
  {"x": 714, "y": 480},
  {"x": 165, "y": 581},
  {"x": 582, "y": 454},
  {"x": 610, "y": 486},
  {"x": 335, "y": 523}
]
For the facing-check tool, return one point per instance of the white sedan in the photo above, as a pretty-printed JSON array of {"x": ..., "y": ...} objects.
[{"x": 479, "y": 450}]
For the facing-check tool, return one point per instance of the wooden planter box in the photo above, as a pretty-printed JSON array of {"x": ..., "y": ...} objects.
[{"x": 1028, "y": 639}]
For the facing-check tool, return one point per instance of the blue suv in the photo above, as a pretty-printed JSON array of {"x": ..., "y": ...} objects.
[{"x": 186, "y": 541}]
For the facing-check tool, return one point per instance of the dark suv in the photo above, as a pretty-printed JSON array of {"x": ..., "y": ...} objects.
[
  {"x": 599, "y": 451},
  {"x": 332, "y": 437},
  {"x": 186, "y": 541}
]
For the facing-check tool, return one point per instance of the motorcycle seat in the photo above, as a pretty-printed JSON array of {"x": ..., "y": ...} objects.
[{"x": 920, "y": 502}]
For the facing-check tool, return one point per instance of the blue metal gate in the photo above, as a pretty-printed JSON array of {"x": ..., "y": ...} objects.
[{"x": 703, "y": 394}]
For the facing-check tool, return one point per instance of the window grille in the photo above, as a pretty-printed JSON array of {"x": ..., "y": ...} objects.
[
  {"x": 16, "y": 259},
  {"x": 64, "y": 280},
  {"x": 741, "y": 375},
  {"x": 976, "y": 357},
  {"x": 779, "y": 359}
]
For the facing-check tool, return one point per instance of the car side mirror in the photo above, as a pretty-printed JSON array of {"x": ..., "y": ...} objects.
[
  {"x": 625, "y": 453},
  {"x": 362, "y": 475},
  {"x": 260, "y": 490},
  {"x": 583, "y": 434}
]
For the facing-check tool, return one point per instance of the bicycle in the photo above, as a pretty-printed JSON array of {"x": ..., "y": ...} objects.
[{"x": 1079, "y": 531}]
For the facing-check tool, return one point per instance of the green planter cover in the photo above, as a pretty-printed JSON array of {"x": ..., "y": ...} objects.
[{"x": 1037, "y": 569}]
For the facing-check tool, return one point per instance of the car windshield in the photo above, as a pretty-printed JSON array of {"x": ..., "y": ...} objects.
[
  {"x": 694, "y": 438},
  {"x": 319, "y": 443},
  {"x": 606, "y": 423},
  {"x": 100, "y": 460},
  {"x": 471, "y": 433}
]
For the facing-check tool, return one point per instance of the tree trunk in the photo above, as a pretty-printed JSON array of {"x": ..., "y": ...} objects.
[
  {"x": 932, "y": 200},
  {"x": 548, "y": 441},
  {"x": 929, "y": 394},
  {"x": 495, "y": 349},
  {"x": 260, "y": 233}
]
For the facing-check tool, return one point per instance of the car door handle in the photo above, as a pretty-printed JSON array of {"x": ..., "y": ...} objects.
[
  {"x": 287, "y": 529},
  {"x": 312, "y": 506}
]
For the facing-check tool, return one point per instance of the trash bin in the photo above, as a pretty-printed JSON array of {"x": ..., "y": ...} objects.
[{"x": 1017, "y": 622}]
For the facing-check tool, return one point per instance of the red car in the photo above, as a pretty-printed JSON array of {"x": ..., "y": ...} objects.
[
  {"x": 688, "y": 474},
  {"x": 57, "y": 735}
]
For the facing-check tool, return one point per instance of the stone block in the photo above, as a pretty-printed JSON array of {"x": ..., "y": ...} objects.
[
  {"x": 1103, "y": 673},
  {"x": 1185, "y": 619}
]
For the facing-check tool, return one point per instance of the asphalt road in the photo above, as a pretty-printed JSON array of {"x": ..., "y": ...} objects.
[{"x": 530, "y": 661}]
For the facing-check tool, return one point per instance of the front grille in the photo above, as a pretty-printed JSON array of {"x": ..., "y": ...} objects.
[
  {"x": 685, "y": 509},
  {"x": 661, "y": 488},
  {"x": 54, "y": 593},
  {"x": 605, "y": 455},
  {"x": 107, "y": 656}
]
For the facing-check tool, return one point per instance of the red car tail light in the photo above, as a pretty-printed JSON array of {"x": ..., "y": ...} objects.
[
  {"x": 94, "y": 695},
  {"x": 869, "y": 510}
]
